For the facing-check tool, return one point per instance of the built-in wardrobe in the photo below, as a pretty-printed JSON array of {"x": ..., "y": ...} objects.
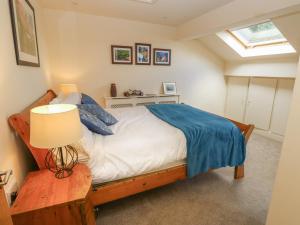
[{"x": 264, "y": 102}]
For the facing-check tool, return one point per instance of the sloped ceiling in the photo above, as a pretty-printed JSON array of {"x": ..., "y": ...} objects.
[
  {"x": 167, "y": 12},
  {"x": 215, "y": 44},
  {"x": 288, "y": 25}
]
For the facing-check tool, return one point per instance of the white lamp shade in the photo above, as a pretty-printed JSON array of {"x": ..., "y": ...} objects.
[
  {"x": 53, "y": 126},
  {"x": 68, "y": 88}
]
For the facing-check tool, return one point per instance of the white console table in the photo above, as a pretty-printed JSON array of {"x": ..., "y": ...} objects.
[{"x": 120, "y": 102}]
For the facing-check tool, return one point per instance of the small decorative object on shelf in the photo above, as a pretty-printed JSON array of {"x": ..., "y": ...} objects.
[
  {"x": 169, "y": 88},
  {"x": 133, "y": 93},
  {"x": 113, "y": 90},
  {"x": 55, "y": 127}
]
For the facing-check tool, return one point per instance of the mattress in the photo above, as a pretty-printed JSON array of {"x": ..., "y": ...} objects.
[{"x": 141, "y": 143}]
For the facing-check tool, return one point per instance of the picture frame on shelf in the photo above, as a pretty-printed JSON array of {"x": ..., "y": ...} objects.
[
  {"x": 121, "y": 54},
  {"x": 142, "y": 54},
  {"x": 170, "y": 88},
  {"x": 162, "y": 57},
  {"x": 24, "y": 33}
]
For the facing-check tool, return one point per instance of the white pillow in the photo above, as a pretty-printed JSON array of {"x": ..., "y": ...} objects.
[
  {"x": 85, "y": 145},
  {"x": 58, "y": 99},
  {"x": 72, "y": 98}
]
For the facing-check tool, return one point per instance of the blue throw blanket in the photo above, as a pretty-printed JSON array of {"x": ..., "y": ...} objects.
[{"x": 212, "y": 141}]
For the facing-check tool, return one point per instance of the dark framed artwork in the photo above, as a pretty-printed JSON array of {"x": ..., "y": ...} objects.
[
  {"x": 162, "y": 57},
  {"x": 121, "y": 54},
  {"x": 142, "y": 54},
  {"x": 24, "y": 33}
]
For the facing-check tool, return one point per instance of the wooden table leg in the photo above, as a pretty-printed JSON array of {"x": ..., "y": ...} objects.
[{"x": 5, "y": 218}]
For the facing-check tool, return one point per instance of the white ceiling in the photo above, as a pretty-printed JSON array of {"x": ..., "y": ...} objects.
[{"x": 167, "y": 12}]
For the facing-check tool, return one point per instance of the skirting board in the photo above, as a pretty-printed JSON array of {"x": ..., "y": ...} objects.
[{"x": 269, "y": 134}]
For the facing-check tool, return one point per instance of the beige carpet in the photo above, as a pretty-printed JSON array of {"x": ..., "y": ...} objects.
[{"x": 209, "y": 199}]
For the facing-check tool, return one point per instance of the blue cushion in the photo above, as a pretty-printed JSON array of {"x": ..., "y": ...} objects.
[
  {"x": 85, "y": 99},
  {"x": 93, "y": 123},
  {"x": 100, "y": 113}
]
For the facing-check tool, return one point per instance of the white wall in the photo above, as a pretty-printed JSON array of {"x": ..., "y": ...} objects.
[
  {"x": 285, "y": 203},
  {"x": 19, "y": 86},
  {"x": 79, "y": 51},
  {"x": 281, "y": 67}
]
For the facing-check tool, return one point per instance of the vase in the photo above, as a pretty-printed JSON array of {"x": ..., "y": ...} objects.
[{"x": 113, "y": 90}]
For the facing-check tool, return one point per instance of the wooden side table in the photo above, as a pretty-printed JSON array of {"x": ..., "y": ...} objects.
[
  {"x": 44, "y": 199},
  {"x": 5, "y": 218}
]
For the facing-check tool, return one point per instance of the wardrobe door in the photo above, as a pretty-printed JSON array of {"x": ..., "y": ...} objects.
[
  {"x": 281, "y": 106},
  {"x": 237, "y": 90},
  {"x": 260, "y": 102}
]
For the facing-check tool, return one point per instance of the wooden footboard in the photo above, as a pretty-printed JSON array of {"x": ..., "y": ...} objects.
[
  {"x": 118, "y": 189},
  {"x": 239, "y": 171},
  {"x": 123, "y": 188}
]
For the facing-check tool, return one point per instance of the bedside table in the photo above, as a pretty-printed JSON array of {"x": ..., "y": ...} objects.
[{"x": 44, "y": 199}]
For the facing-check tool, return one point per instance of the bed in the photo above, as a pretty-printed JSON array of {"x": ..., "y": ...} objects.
[{"x": 144, "y": 152}]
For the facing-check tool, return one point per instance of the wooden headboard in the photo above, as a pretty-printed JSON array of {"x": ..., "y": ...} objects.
[{"x": 21, "y": 124}]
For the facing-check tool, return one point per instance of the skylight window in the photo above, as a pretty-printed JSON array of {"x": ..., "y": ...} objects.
[
  {"x": 259, "y": 34},
  {"x": 257, "y": 40}
]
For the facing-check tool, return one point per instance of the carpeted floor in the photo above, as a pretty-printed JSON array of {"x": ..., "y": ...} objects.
[{"x": 213, "y": 198}]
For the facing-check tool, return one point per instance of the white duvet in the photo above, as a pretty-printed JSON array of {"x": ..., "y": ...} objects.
[{"x": 141, "y": 143}]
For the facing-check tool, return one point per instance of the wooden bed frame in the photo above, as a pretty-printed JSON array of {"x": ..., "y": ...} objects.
[{"x": 117, "y": 189}]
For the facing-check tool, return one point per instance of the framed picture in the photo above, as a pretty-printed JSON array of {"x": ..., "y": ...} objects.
[
  {"x": 24, "y": 33},
  {"x": 169, "y": 88},
  {"x": 162, "y": 57},
  {"x": 121, "y": 54},
  {"x": 142, "y": 54}
]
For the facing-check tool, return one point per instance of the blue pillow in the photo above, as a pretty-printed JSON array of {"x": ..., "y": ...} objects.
[
  {"x": 85, "y": 99},
  {"x": 100, "y": 113},
  {"x": 93, "y": 123}
]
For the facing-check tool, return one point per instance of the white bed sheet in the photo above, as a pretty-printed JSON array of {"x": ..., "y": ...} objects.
[{"x": 141, "y": 143}]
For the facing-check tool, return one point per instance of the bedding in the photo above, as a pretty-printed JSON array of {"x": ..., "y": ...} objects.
[
  {"x": 58, "y": 99},
  {"x": 72, "y": 98},
  {"x": 212, "y": 141},
  {"x": 93, "y": 123},
  {"x": 100, "y": 113},
  {"x": 141, "y": 143},
  {"x": 86, "y": 99},
  {"x": 86, "y": 142}
]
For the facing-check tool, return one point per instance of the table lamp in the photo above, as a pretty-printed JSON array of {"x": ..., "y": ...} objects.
[
  {"x": 55, "y": 127},
  {"x": 68, "y": 88}
]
